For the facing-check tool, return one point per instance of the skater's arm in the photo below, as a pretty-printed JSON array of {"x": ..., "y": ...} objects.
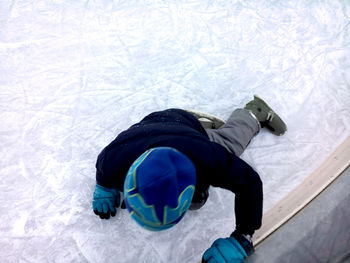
[
  {"x": 103, "y": 169},
  {"x": 106, "y": 197},
  {"x": 111, "y": 168},
  {"x": 238, "y": 177},
  {"x": 248, "y": 200},
  {"x": 241, "y": 179}
]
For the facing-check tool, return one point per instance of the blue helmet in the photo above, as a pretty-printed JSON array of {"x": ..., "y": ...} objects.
[{"x": 159, "y": 187}]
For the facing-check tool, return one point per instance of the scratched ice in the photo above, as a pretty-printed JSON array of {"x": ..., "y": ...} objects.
[{"x": 73, "y": 74}]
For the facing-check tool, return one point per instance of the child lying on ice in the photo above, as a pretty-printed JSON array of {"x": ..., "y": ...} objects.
[{"x": 165, "y": 164}]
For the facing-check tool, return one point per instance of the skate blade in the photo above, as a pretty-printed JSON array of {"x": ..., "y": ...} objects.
[{"x": 206, "y": 119}]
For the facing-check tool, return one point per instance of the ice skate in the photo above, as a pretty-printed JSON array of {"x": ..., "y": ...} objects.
[
  {"x": 208, "y": 121},
  {"x": 266, "y": 116}
]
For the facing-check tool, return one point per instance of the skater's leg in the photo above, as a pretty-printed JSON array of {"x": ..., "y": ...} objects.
[
  {"x": 266, "y": 116},
  {"x": 237, "y": 132},
  {"x": 234, "y": 135},
  {"x": 244, "y": 124}
]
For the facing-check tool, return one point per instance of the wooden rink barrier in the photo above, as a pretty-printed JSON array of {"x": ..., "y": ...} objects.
[{"x": 303, "y": 194}]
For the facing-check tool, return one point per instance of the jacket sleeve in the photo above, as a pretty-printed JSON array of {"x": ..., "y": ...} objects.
[
  {"x": 101, "y": 176},
  {"x": 111, "y": 167},
  {"x": 240, "y": 178}
]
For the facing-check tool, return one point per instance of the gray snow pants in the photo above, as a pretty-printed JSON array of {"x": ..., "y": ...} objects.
[
  {"x": 234, "y": 135},
  {"x": 237, "y": 132}
]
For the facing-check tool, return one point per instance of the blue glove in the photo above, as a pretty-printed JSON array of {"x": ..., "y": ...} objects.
[
  {"x": 105, "y": 201},
  {"x": 226, "y": 250}
]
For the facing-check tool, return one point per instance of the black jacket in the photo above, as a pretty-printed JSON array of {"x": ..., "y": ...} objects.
[{"x": 214, "y": 164}]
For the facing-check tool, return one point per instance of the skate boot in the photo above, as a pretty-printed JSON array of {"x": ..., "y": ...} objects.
[
  {"x": 266, "y": 116},
  {"x": 208, "y": 121}
]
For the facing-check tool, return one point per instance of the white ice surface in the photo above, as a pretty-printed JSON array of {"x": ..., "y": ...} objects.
[{"x": 73, "y": 74}]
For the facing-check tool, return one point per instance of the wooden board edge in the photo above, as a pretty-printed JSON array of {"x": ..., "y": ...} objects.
[{"x": 303, "y": 194}]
